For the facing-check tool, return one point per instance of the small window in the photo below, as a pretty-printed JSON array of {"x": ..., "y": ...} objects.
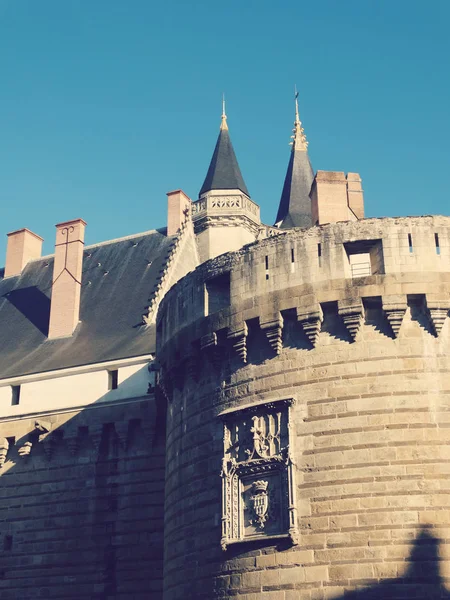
[
  {"x": 292, "y": 255},
  {"x": 436, "y": 241},
  {"x": 113, "y": 379},
  {"x": 15, "y": 395},
  {"x": 7, "y": 543},
  {"x": 217, "y": 293},
  {"x": 319, "y": 254},
  {"x": 410, "y": 244}
]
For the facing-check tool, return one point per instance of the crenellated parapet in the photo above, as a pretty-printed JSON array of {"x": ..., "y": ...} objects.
[{"x": 384, "y": 265}]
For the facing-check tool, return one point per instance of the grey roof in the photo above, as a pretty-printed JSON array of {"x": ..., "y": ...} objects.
[
  {"x": 118, "y": 280},
  {"x": 295, "y": 204},
  {"x": 224, "y": 172}
]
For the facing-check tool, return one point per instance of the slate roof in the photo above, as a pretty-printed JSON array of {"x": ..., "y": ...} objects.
[
  {"x": 295, "y": 204},
  {"x": 224, "y": 172},
  {"x": 118, "y": 280}
]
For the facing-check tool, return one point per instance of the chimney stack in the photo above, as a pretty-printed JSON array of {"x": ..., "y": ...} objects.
[
  {"x": 335, "y": 197},
  {"x": 355, "y": 194},
  {"x": 23, "y": 246},
  {"x": 177, "y": 205},
  {"x": 67, "y": 270}
]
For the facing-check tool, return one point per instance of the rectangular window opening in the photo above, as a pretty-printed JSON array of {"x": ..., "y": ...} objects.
[
  {"x": 292, "y": 255},
  {"x": 217, "y": 293},
  {"x": 410, "y": 244},
  {"x": 365, "y": 258},
  {"x": 319, "y": 254},
  {"x": 436, "y": 241},
  {"x": 7, "y": 543},
  {"x": 267, "y": 262},
  {"x": 15, "y": 395},
  {"x": 113, "y": 379}
]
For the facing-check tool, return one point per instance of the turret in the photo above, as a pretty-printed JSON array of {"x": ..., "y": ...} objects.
[{"x": 225, "y": 218}]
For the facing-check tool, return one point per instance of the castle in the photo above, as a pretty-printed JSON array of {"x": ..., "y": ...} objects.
[{"x": 226, "y": 409}]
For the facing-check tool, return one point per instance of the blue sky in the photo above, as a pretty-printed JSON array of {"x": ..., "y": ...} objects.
[{"x": 106, "y": 105}]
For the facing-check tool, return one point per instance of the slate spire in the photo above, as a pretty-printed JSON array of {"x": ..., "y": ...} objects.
[
  {"x": 295, "y": 204},
  {"x": 224, "y": 172}
]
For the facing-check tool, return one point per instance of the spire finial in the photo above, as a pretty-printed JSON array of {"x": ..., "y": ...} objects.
[
  {"x": 223, "y": 124},
  {"x": 297, "y": 118},
  {"x": 299, "y": 138}
]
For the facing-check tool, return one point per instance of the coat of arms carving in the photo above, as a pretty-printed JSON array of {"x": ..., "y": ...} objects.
[
  {"x": 258, "y": 473},
  {"x": 260, "y": 500}
]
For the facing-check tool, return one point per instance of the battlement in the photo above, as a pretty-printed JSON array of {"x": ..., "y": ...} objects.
[{"x": 379, "y": 261}]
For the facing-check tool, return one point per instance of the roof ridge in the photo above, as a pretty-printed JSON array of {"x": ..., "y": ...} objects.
[{"x": 104, "y": 243}]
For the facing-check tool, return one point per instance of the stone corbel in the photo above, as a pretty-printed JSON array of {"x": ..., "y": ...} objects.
[
  {"x": 208, "y": 344},
  {"x": 238, "y": 338},
  {"x": 121, "y": 428},
  {"x": 4, "y": 447},
  {"x": 311, "y": 322},
  {"x": 73, "y": 443},
  {"x": 394, "y": 307},
  {"x": 48, "y": 443},
  {"x": 24, "y": 450},
  {"x": 96, "y": 435},
  {"x": 352, "y": 313},
  {"x": 273, "y": 328},
  {"x": 438, "y": 310}
]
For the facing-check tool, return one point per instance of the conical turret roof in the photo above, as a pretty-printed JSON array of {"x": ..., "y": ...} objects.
[
  {"x": 295, "y": 204},
  {"x": 224, "y": 172}
]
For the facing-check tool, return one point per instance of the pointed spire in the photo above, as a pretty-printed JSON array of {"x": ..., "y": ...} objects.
[
  {"x": 295, "y": 204},
  {"x": 223, "y": 124},
  {"x": 224, "y": 172},
  {"x": 299, "y": 138}
]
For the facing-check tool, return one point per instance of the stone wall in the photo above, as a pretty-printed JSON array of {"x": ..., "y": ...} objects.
[
  {"x": 82, "y": 500},
  {"x": 364, "y": 363}
]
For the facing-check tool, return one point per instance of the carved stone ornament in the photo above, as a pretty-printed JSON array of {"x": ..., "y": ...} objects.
[
  {"x": 4, "y": 446},
  {"x": 258, "y": 474}
]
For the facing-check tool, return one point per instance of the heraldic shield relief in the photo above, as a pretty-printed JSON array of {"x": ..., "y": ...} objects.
[{"x": 258, "y": 474}]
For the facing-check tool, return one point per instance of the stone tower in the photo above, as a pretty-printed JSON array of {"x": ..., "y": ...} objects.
[{"x": 307, "y": 378}]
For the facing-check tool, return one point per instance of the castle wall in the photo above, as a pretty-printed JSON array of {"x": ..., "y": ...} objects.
[
  {"x": 82, "y": 489},
  {"x": 364, "y": 363}
]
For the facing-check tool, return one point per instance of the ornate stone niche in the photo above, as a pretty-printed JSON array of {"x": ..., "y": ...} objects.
[{"x": 258, "y": 474}]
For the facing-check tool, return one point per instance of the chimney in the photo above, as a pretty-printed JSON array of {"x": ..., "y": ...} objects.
[
  {"x": 67, "y": 270},
  {"x": 329, "y": 197},
  {"x": 355, "y": 195},
  {"x": 177, "y": 205},
  {"x": 23, "y": 246}
]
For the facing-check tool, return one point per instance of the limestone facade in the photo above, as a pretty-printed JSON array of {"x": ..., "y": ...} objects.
[{"x": 305, "y": 364}]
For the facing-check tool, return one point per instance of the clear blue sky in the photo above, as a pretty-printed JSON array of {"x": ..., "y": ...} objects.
[{"x": 108, "y": 104}]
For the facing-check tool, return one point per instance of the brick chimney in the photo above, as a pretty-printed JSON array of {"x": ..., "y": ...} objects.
[
  {"x": 67, "y": 270},
  {"x": 23, "y": 246},
  {"x": 177, "y": 205}
]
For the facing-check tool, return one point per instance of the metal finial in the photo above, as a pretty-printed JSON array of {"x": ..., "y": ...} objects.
[
  {"x": 299, "y": 138},
  {"x": 223, "y": 124}
]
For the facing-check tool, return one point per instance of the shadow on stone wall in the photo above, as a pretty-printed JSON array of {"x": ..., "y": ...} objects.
[
  {"x": 81, "y": 502},
  {"x": 421, "y": 581}
]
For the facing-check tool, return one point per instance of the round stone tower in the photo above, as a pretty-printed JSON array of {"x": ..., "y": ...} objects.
[{"x": 308, "y": 386}]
